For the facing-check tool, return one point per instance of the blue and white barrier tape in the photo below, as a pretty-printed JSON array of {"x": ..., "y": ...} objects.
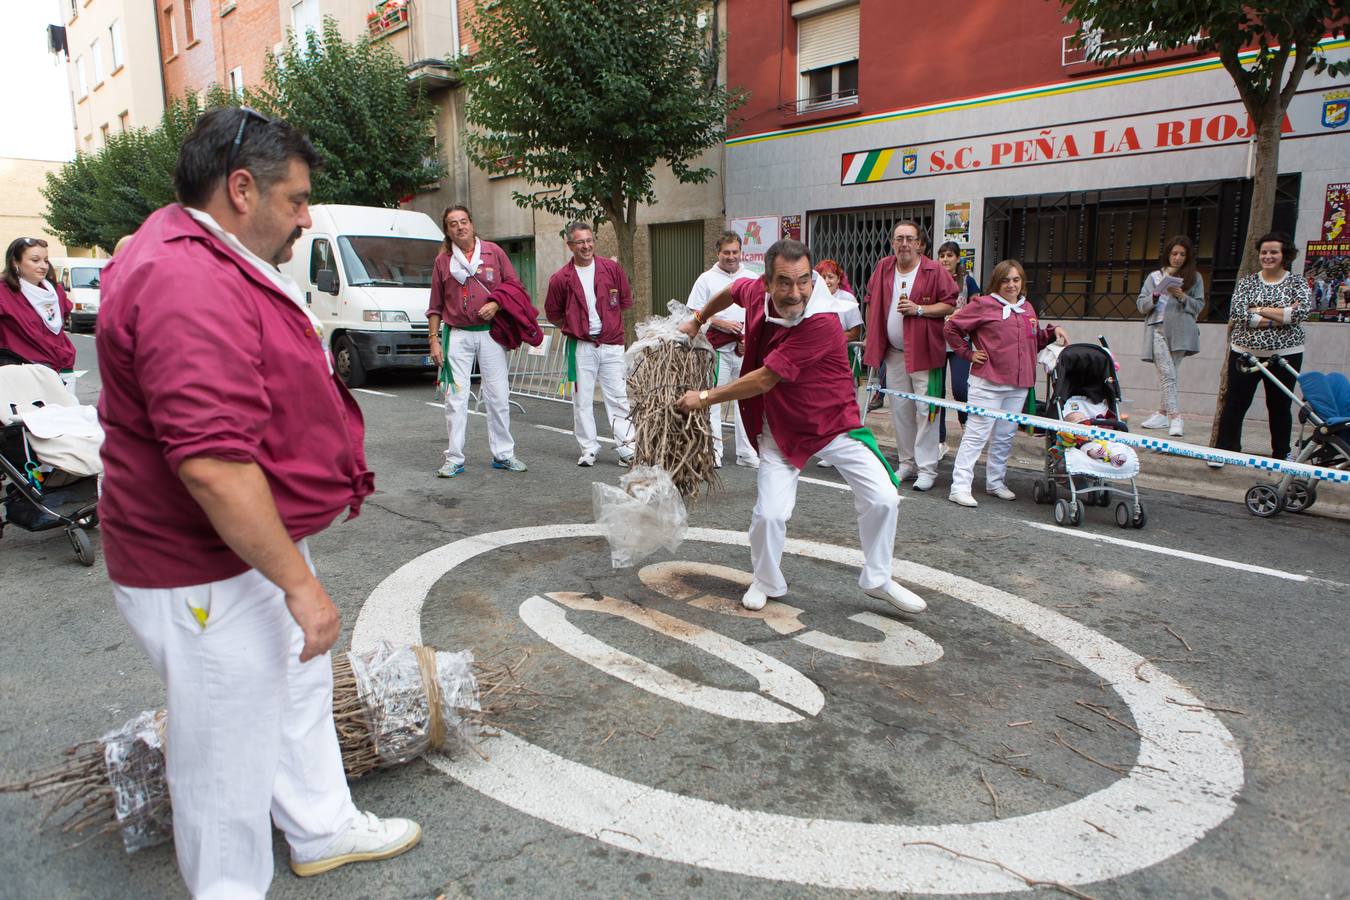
[{"x": 1160, "y": 445}]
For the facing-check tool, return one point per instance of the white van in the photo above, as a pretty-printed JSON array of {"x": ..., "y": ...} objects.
[
  {"x": 366, "y": 274},
  {"x": 80, "y": 277}
]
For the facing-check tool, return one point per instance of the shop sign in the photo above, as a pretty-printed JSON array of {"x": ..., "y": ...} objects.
[
  {"x": 1310, "y": 113},
  {"x": 758, "y": 233}
]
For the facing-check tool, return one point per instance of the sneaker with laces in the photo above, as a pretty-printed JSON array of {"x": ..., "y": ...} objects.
[
  {"x": 1157, "y": 420},
  {"x": 1002, "y": 492},
  {"x": 450, "y": 470},
  {"x": 510, "y": 464},
  {"x": 586, "y": 459},
  {"x": 1177, "y": 428},
  {"x": 367, "y": 838}
]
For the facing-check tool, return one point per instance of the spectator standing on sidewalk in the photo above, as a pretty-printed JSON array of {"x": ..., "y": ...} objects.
[
  {"x": 1265, "y": 316},
  {"x": 230, "y": 441},
  {"x": 467, "y": 271},
  {"x": 1170, "y": 331},
  {"x": 586, "y": 299},
  {"x": 949, "y": 257},
  {"x": 725, "y": 333},
  {"x": 908, "y": 296}
]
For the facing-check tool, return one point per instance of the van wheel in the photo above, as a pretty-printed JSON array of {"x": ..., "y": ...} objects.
[{"x": 347, "y": 361}]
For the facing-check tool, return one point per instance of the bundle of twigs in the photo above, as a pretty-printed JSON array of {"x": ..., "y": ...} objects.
[
  {"x": 117, "y": 784},
  {"x": 678, "y": 442}
]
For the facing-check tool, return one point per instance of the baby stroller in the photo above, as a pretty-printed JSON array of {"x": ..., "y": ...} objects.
[
  {"x": 1071, "y": 477},
  {"x": 49, "y": 456},
  {"x": 1324, "y": 435}
]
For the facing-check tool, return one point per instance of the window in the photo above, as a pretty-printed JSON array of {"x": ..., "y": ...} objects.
[
  {"x": 103, "y": 133},
  {"x": 188, "y": 24},
  {"x": 168, "y": 29},
  {"x": 81, "y": 79},
  {"x": 236, "y": 82},
  {"x": 74, "y": 10},
  {"x": 827, "y": 54},
  {"x": 88, "y": 143},
  {"x": 304, "y": 18},
  {"x": 115, "y": 44},
  {"x": 320, "y": 260},
  {"x": 124, "y": 121},
  {"x": 96, "y": 57}
]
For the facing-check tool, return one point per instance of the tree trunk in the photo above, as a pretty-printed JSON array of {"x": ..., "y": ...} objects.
[
  {"x": 623, "y": 216},
  {"x": 1259, "y": 220}
]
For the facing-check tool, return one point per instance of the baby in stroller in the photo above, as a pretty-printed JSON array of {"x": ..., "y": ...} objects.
[{"x": 1085, "y": 390}]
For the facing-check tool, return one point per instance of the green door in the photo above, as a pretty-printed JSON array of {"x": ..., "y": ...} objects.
[
  {"x": 677, "y": 261},
  {"x": 521, "y": 253}
]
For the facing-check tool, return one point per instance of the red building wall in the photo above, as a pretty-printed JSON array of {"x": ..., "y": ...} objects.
[
  {"x": 243, "y": 37},
  {"x": 193, "y": 67},
  {"x": 246, "y": 37}
]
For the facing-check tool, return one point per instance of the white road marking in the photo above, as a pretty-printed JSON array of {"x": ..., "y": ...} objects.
[
  {"x": 569, "y": 432},
  {"x": 1183, "y": 784},
  {"x": 375, "y": 393},
  {"x": 472, "y": 412},
  {"x": 829, "y": 484},
  {"x": 1169, "y": 551},
  {"x": 779, "y": 681},
  {"x": 900, "y": 645}
]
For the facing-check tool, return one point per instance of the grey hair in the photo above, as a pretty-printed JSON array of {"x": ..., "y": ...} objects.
[{"x": 573, "y": 227}]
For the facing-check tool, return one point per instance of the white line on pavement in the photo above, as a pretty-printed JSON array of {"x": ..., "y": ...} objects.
[
  {"x": 375, "y": 393},
  {"x": 569, "y": 432},
  {"x": 831, "y": 484},
  {"x": 472, "y": 412},
  {"x": 1168, "y": 551}
]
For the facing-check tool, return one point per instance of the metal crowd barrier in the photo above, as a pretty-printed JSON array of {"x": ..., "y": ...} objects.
[{"x": 541, "y": 372}]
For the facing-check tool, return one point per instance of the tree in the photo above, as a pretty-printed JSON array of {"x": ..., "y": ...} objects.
[
  {"x": 1276, "y": 30},
  {"x": 585, "y": 98},
  {"x": 374, "y": 130}
]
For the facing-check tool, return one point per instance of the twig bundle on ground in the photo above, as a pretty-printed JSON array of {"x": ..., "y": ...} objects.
[{"x": 678, "y": 442}]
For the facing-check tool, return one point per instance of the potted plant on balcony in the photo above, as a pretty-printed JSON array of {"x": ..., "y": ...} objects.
[{"x": 387, "y": 15}]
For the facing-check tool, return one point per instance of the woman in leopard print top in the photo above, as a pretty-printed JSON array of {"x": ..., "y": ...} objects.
[{"x": 1267, "y": 309}]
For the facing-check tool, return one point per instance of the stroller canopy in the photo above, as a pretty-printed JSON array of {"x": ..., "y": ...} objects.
[{"x": 1086, "y": 370}]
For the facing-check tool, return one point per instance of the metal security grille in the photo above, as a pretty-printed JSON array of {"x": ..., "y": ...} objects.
[
  {"x": 677, "y": 261},
  {"x": 857, "y": 238},
  {"x": 1087, "y": 253}
]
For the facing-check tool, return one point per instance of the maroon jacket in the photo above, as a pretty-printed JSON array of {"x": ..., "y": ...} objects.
[
  {"x": 1011, "y": 343},
  {"x": 565, "y": 305},
  {"x": 457, "y": 304},
  {"x": 516, "y": 321},
  {"x": 23, "y": 333},
  {"x": 925, "y": 347}
]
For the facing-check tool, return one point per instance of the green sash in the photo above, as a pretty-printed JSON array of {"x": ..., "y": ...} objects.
[
  {"x": 937, "y": 387},
  {"x": 570, "y": 346},
  {"x": 865, "y": 437},
  {"x": 1030, "y": 407},
  {"x": 445, "y": 377}
]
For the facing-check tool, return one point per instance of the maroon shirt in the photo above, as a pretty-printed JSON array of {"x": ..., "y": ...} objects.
[
  {"x": 201, "y": 356},
  {"x": 23, "y": 332},
  {"x": 565, "y": 305},
  {"x": 457, "y": 304},
  {"x": 815, "y": 400},
  {"x": 1012, "y": 343},
  {"x": 925, "y": 347}
]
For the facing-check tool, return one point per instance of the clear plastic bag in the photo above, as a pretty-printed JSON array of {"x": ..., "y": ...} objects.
[
  {"x": 658, "y": 329},
  {"x": 393, "y": 690},
  {"x": 642, "y": 515},
  {"x": 134, "y": 758}
]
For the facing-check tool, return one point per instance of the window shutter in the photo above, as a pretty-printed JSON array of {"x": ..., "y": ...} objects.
[{"x": 827, "y": 39}]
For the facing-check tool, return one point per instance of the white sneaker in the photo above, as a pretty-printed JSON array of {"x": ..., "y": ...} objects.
[
  {"x": 906, "y": 471},
  {"x": 1214, "y": 463},
  {"x": 750, "y": 462},
  {"x": 717, "y": 464},
  {"x": 963, "y": 498},
  {"x": 587, "y": 459},
  {"x": 924, "y": 482},
  {"x": 367, "y": 838},
  {"x": 1002, "y": 492},
  {"x": 754, "y": 599},
  {"x": 1157, "y": 420},
  {"x": 626, "y": 462},
  {"x": 942, "y": 451},
  {"x": 1177, "y": 428},
  {"x": 822, "y": 464},
  {"x": 895, "y": 595}
]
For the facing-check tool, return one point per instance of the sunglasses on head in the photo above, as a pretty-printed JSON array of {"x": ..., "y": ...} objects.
[{"x": 248, "y": 116}]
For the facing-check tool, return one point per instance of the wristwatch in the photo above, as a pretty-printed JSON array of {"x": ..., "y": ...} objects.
[{"x": 703, "y": 397}]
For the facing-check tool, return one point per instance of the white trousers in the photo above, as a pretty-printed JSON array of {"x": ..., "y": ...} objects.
[
  {"x": 602, "y": 362},
  {"x": 465, "y": 347},
  {"x": 250, "y": 730},
  {"x": 875, "y": 501},
  {"x": 728, "y": 370},
  {"x": 916, "y": 438},
  {"x": 978, "y": 429}
]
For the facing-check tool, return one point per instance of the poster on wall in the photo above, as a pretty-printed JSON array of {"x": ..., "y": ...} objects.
[
  {"x": 956, "y": 222},
  {"x": 757, "y": 234},
  {"x": 792, "y": 228},
  {"x": 968, "y": 261},
  {"x": 1327, "y": 267},
  {"x": 1333, "y": 215}
]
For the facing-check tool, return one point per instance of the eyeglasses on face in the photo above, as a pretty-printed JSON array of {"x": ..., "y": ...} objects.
[
  {"x": 248, "y": 116},
  {"x": 584, "y": 242},
  {"x": 904, "y": 239}
]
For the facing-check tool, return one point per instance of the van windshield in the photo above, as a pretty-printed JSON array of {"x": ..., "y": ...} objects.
[
  {"x": 85, "y": 277},
  {"x": 388, "y": 261}
]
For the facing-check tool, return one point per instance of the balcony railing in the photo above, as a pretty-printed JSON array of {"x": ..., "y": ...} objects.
[
  {"x": 807, "y": 105},
  {"x": 388, "y": 16}
]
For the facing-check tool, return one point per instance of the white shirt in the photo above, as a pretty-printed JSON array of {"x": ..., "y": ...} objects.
[
  {"x": 587, "y": 276},
  {"x": 895, "y": 327},
  {"x": 709, "y": 285},
  {"x": 851, "y": 317},
  {"x": 1085, "y": 407}
]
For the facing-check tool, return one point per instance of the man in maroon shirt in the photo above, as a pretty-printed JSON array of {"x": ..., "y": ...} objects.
[
  {"x": 229, "y": 442},
  {"x": 798, "y": 401}
]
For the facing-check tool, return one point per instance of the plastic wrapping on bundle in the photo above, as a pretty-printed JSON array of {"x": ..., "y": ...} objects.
[
  {"x": 660, "y": 329},
  {"x": 643, "y": 515},
  {"x": 405, "y": 721},
  {"x": 134, "y": 758}
]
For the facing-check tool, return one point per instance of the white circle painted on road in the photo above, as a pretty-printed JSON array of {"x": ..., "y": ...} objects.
[{"x": 1183, "y": 784}]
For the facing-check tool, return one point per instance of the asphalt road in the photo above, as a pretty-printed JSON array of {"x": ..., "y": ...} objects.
[{"x": 1160, "y": 718}]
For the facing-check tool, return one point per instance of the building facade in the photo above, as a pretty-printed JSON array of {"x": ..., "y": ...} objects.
[
  {"x": 990, "y": 129},
  {"x": 115, "y": 81}
]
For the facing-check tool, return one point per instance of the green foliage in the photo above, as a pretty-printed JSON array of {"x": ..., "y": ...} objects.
[
  {"x": 586, "y": 97},
  {"x": 376, "y": 136}
]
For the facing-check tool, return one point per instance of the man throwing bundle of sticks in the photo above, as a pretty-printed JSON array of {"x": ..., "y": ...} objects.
[{"x": 797, "y": 401}]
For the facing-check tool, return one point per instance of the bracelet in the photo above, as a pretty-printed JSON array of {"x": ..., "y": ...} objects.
[{"x": 698, "y": 317}]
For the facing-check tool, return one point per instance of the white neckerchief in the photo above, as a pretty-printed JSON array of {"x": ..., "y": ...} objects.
[
  {"x": 820, "y": 301},
  {"x": 462, "y": 267},
  {"x": 1010, "y": 308},
  {"x": 45, "y": 303}
]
